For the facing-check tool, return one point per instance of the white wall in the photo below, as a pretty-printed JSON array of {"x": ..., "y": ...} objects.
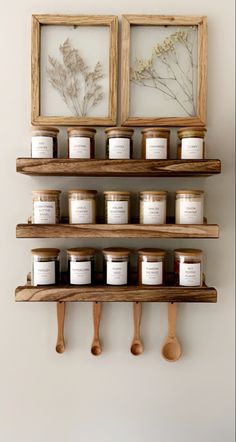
[{"x": 116, "y": 397}]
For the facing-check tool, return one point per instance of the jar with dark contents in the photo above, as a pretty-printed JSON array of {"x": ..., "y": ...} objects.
[
  {"x": 81, "y": 142},
  {"x": 46, "y": 206},
  {"x": 155, "y": 143},
  {"x": 81, "y": 269},
  {"x": 117, "y": 207},
  {"x": 116, "y": 266},
  {"x": 44, "y": 142},
  {"x": 151, "y": 266},
  {"x": 119, "y": 143},
  {"x": 188, "y": 265},
  {"x": 45, "y": 267},
  {"x": 191, "y": 144}
]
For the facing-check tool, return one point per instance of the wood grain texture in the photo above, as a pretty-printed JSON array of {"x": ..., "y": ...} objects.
[
  {"x": 160, "y": 20},
  {"x": 81, "y": 20},
  {"x": 116, "y": 231},
  {"x": 115, "y": 294},
  {"x": 132, "y": 168}
]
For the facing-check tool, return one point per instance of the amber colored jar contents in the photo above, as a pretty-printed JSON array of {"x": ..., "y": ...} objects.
[
  {"x": 119, "y": 143},
  {"x": 81, "y": 269},
  {"x": 46, "y": 206},
  {"x": 155, "y": 143},
  {"x": 44, "y": 142},
  {"x": 45, "y": 266},
  {"x": 116, "y": 265},
  {"x": 188, "y": 267},
  {"x": 152, "y": 207},
  {"x": 189, "y": 207},
  {"x": 82, "y": 206},
  {"x": 151, "y": 263},
  {"x": 117, "y": 207},
  {"x": 81, "y": 142},
  {"x": 192, "y": 144}
]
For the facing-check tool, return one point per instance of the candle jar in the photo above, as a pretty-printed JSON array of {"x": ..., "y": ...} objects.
[
  {"x": 82, "y": 206},
  {"x": 119, "y": 143},
  {"x": 116, "y": 265},
  {"x": 45, "y": 266},
  {"x": 151, "y": 266},
  {"x": 81, "y": 142},
  {"x": 155, "y": 143},
  {"x": 189, "y": 207},
  {"x": 191, "y": 145},
  {"x": 153, "y": 207},
  {"x": 188, "y": 267},
  {"x": 44, "y": 142},
  {"x": 46, "y": 206},
  {"x": 81, "y": 266},
  {"x": 117, "y": 207}
]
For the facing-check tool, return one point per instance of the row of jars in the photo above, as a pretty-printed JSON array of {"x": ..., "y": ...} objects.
[
  {"x": 82, "y": 207},
  {"x": 119, "y": 143},
  {"x": 151, "y": 266}
]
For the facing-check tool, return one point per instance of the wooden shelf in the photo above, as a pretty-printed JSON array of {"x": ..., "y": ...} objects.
[
  {"x": 117, "y": 231},
  {"x": 116, "y": 168}
]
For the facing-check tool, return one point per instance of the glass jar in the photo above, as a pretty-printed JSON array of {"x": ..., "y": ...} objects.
[
  {"x": 191, "y": 145},
  {"x": 117, "y": 207},
  {"x": 46, "y": 206},
  {"x": 155, "y": 143},
  {"x": 45, "y": 266},
  {"x": 44, "y": 142},
  {"x": 81, "y": 142},
  {"x": 82, "y": 206},
  {"x": 189, "y": 207},
  {"x": 116, "y": 265},
  {"x": 152, "y": 207},
  {"x": 188, "y": 267},
  {"x": 151, "y": 266},
  {"x": 81, "y": 266},
  {"x": 119, "y": 143}
]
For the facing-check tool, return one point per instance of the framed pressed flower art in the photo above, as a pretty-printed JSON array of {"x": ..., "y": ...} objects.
[
  {"x": 74, "y": 70},
  {"x": 163, "y": 70}
]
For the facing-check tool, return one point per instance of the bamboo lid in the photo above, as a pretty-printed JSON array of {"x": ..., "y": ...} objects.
[
  {"x": 190, "y": 192},
  {"x": 188, "y": 252},
  {"x": 116, "y": 252},
  {"x": 125, "y": 131},
  {"x": 153, "y": 192},
  {"x": 152, "y": 252},
  {"x": 45, "y": 253},
  {"x": 81, "y": 131},
  {"x": 191, "y": 132},
  {"x": 117, "y": 192},
  {"x": 81, "y": 251},
  {"x": 156, "y": 129},
  {"x": 46, "y": 129},
  {"x": 47, "y": 192},
  {"x": 82, "y": 191}
]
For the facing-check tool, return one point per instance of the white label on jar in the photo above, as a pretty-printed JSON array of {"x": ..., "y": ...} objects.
[
  {"x": 44, "y": 212},
  {"x": 119, "y": 148},
  {"x": 81, "y": 212},
  {"x": 190, "y": 212},
  {"x": 42, "y": 147},
  {"x": 117, "y": 212},
  {"x": 156, "y": 148},
  {"x": 190, "y": 274},
  {"x": 79, "y": 147},
  {"x": 80, "y": 272},
  {"x": 152, "y": 273},
  {"x": 192, "y": 148},
  {"x": 154, "y": 212},
  {"x": 44, "y": 273},
  {"x": 117, "y": 273}
]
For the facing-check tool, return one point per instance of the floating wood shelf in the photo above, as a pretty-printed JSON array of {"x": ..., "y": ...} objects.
[
  {"x": 117, "y": 231},
  {"x": 116, "y": 168}
]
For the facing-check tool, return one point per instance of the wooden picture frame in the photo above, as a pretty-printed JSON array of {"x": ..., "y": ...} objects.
[
  {"x": 77, "y": 23},
  {"x": 141, "y": 75}
]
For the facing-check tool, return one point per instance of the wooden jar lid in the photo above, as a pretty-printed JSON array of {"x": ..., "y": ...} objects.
[
  {"x": 45, "y": 253},
  {"x": 186, "y": 132},
  {"x": 188, "y": 252},
  {"x": 81, "y": 251},
  {"x": 44, "y": 130},
  {"x": 119, "y": 131},
  {"x": 46, "y": 192},
  {"x": 189, "y": 192},
  {"x": 116, "y": 252},
  {"x": 152, "y": 252},
  {"x": 82, "y": 191},
  {"x": 81, "y": 132}
]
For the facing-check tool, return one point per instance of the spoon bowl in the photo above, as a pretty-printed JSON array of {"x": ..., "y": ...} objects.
[
  {"x": 136, "y": 348},
  {"x": 96, "y": 349},
  {"x": 171, "y": 350},
  {"x": 60, "y": 347}
]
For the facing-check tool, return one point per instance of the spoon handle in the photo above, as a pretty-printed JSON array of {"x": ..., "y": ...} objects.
[
  {"x": 137, "y": 313},
  {"x": 60, "y": 347},
  {"x": 97, "y": 311},
  {"x": 172, "y": 314}
]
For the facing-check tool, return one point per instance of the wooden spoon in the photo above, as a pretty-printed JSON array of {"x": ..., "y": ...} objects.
[
  {"x": 137, "y": 346},
  {"x": 171, "y": 349},
  {"x": 60, "y": 347},
  {"x": 96, "y": 348}
]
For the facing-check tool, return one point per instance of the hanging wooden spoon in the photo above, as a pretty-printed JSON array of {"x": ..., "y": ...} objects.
[
  {"x": 96, "y": 348},
  {"x": 137, "y": 346},
  {"x": 171, "y": 349},
  {"x": 60, "y": 347}
]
